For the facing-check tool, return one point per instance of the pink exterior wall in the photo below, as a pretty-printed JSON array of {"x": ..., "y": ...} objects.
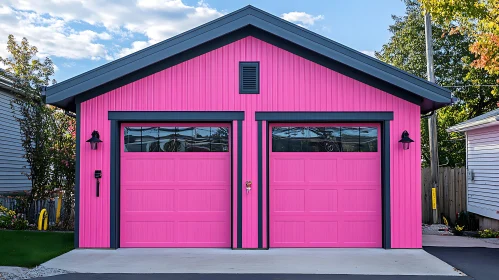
[{"x": 288, "y": 83}]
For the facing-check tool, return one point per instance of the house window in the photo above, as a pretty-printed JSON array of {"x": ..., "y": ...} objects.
[
  {"x": 324, "y": 139},
  {"x": 176, "y": 139},
  {"x": 249, "y": 77}
]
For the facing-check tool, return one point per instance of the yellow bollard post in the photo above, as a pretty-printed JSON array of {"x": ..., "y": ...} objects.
[
  {"x": 43, "y": 220},
  {"x": 59, "y": 204}
]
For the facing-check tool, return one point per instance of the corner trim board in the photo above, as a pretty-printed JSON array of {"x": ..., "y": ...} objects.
[
  {"x": 260, "y": 185},
  {"x": 385, "y": 183},
  {"x": 239, "y": 184},
  {"x": 77, "y": 183}
]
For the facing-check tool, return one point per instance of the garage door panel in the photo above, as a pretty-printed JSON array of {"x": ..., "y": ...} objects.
[
  {"x": 148, "y": 169},
  {"x": 323, "y": 232},
  {"x": 361, "y": 200},
  {"x": 321, "y": 170},
  {"x": 202, "y": 169},
  {"x": 152, "y": 231},
  {"x": 149, "y": 200},
  {"x": 281, "y": 170},
  {"x": 324, "y": 199},
  {"x": 172, "y": 193},
  {"x": 198, "y": 200}
]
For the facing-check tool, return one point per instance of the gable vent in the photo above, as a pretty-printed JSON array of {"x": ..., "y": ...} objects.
[{"x": 249, "y": 77}]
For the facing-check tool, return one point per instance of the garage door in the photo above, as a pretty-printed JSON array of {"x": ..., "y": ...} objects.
[
  {"x": 175, "y": 185},
  {"x": 325, "y": 185}
]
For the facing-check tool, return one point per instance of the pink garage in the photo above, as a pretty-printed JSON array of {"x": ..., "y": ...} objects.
[{"x": 248, "y": 132}]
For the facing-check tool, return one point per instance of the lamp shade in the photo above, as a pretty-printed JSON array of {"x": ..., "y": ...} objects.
[
  {"x": 94, "y": 140},
  {"x": 405, "y": 140}
]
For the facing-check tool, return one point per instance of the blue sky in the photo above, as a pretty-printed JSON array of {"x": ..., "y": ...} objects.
[{"x": 79, "y": 35}]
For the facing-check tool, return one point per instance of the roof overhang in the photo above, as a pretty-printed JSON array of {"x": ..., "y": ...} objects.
[
  {"x": 247, "y": 21},
  {"x": 476, "y": 123}
]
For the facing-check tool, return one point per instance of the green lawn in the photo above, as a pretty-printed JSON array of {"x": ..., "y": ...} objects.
[{"x": 31, "y": 248}]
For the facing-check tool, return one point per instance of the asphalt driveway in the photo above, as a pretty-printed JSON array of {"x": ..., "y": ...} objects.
[{"x": 479, "y": 263}]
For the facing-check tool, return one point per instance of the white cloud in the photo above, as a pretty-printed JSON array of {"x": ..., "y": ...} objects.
[
  {"x": 301, "y": 18},
  {"x": 369, "y": 53},
  {"x": 136, "y": 46},
  {"x": 49, "y": 24},
  {"x": 52, "y": 36}
]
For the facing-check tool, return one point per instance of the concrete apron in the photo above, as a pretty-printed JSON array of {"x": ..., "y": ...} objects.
[{"x": 290, "y": 261}]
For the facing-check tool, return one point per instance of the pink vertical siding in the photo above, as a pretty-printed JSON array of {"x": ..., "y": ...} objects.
[{"x": 288, "y": 83}]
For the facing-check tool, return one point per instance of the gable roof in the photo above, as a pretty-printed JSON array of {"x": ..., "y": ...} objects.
[
  {"x": 488, "y": 119},
  {"x": 428, "y": 95}
]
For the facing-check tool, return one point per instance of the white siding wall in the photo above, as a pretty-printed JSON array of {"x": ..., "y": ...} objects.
[
  {"x": 11, "y": 151},
  {"x": 483, "y": 162}
]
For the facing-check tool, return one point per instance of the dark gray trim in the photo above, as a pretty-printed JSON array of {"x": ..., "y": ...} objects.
[
  {"x": 267, "y": 143},
  {"x": 115, "y": 185},
  {"x": 385, "y": 183},
  {"x": 260, "y": 185},
  {"x": 172, "y": 116},
  {"x": 383, "y": 118},
  {"x": 62, "y": 94},
  {"x": 239, "y": 184},
  {"x": 77, "y": 182},
  {"x": 324, "y": 116},
  {"x": 117, "y": 117},
  {"x": 242, "y": 64}
]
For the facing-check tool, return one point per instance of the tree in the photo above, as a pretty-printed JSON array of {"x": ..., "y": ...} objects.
[
  {"x": 48, "y": 134},
  {"x": 29, "y": 75},
  {"x": 406, "y": 50},
  {"x": 63, "y": 159},
  {"x": 478, "y": 19}
]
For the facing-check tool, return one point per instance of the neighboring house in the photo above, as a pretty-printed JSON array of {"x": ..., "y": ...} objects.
[
  {"x": 248, "y": 132},
  {"x": 12, "y": 163},
  {"x": 482, "y": 158}
]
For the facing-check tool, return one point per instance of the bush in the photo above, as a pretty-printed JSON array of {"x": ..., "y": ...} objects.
[
  {"x": 10, "y": 220},
  {"x": 467, "y": 220},
  {"x": 489, "y": 233}
]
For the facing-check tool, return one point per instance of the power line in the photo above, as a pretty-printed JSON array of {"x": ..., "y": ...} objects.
[{"x": 471, "y": 86}]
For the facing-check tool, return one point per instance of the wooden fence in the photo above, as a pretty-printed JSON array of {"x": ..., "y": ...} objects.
[
  {"x": 451, "y": 193},
  {"x": 50, "y": 205}
]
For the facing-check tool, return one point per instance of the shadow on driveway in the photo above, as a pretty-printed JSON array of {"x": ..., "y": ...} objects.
[{"x": 479, "y": 263}]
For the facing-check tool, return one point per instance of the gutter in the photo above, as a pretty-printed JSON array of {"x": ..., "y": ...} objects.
[{"x": 490, "y": 121}]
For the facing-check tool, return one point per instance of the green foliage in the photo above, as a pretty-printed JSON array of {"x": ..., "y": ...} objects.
[
  {"x": 478, "y": 19},
  {"x": 48, "y": 134},
  {"x": 489, "y": 233},
  {"x": 9, "y": 219},
  {"x": 406, "y": 50}
]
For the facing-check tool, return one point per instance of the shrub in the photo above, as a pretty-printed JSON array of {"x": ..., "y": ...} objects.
[
  {"x": 10, "y": 220},
  {"x": 489, "y": 233},
  {"x": 467, "y": 220}
]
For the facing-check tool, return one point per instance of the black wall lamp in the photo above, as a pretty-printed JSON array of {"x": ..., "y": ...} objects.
[
  {"x": 94, "y": 140},
  {"x": 406, "y": 141}
]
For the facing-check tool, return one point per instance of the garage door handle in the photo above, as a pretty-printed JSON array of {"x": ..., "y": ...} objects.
[{"x": 248, "y": 186}]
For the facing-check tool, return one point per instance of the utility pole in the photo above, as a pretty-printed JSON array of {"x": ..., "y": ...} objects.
[{"x": 432, "y": 120}]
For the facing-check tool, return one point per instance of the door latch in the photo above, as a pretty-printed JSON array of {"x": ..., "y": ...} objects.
[{"x": 248, "y": 186}]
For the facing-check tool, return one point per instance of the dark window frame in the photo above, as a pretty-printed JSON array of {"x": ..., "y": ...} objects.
[
  {"x": 306, "y": 144},
  {"x": 220, "y": 141}
]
